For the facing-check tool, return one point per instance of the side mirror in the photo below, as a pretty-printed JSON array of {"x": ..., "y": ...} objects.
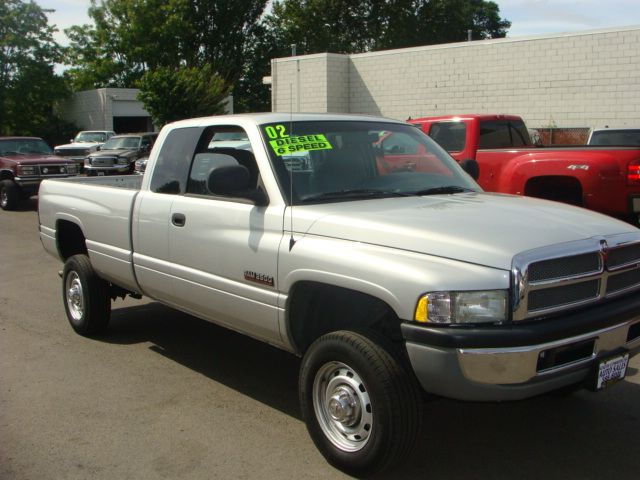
[
  {"x": 233, "y": 181},
  {"x": 471, "y": 167}
]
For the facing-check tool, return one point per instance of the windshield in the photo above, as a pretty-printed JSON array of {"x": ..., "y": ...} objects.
[
  {"x": 97, "y": 137},
  {"x": 24, "y": 146},
  {"x": 115, "y": 143},
  {"x": 351, "y": 160},
  {"x": 619, "y": 138}
]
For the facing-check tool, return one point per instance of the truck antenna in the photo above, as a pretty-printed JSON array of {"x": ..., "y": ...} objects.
[{"x": 292, "y": 242}]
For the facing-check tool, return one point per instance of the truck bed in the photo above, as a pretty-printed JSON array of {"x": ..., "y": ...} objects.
[{"x": 101, "y": 207}]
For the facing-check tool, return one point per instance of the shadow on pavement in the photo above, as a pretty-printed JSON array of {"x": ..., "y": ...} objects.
[
  {"x": 248, "y": 366},
  {"x": 584, "y": 435}
]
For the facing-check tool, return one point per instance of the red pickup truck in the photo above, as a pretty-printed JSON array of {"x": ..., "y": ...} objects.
[{"x": 603, "y": 179}]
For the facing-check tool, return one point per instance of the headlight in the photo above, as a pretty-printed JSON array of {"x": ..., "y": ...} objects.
[
  {"x": 462, "y": 307},
  {"x": 26, "y": 170},
  {"x": 123, "y": 161}
]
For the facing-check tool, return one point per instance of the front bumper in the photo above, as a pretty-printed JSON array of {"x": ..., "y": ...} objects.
[
  {"x": 108, "y": 169},
  {"x": 520, "y": 361}
]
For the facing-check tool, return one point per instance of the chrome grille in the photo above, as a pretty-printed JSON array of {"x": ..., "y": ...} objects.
[
  {"x": 103, "y": 161},
  {"x": 565, "y": 267},
  {"x": 622, "y": 281},
  {"x": 49, "y": 170},
  {"x": 564, "y": 276},
  {"x": 71, "y": 152},
  {"x": 566, "y": 295},
  {"x": 623, "y": 256}
]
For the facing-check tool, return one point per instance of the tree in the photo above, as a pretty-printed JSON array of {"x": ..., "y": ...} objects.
[
  {"x": 131, "y": 37},
  {"x": 28, "y": 84},
  {"x": 355, "y": 26},
  {"x": 174, "y": 94}
]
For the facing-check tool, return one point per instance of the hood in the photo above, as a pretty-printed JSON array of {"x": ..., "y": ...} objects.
[
  {"x": 120, "y": 152},
  {"x": 79, "y": 145},
  {"x": 481, "y": 228},
  {"x": 35, "y": 159}
]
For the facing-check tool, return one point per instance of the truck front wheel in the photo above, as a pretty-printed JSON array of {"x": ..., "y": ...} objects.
[
  {"x": 9, "y": 195},
  {"x": 360, "y": 406},
  {"x": 85, "y": 296}
]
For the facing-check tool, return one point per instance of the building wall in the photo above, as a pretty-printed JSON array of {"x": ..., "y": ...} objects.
[
  {"x": 95, "y": 109},
  {"x": 570, "y": 80}
]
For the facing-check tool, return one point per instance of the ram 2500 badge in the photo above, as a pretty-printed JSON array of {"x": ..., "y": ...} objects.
[{"x": 385, "y": 280}]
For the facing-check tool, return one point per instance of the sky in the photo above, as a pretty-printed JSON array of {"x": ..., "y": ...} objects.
[{"x": 528, "y": 17}]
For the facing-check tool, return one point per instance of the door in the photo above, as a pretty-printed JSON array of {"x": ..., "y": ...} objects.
[{"x": 224, "y": 250}]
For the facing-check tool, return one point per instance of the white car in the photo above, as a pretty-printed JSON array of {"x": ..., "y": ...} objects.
[
  {"x": 83, "y": 144},
  {"x": 619, "y": 137}
]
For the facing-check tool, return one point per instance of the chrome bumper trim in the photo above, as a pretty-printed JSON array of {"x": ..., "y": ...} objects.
[{"x": 505, "y": 366}]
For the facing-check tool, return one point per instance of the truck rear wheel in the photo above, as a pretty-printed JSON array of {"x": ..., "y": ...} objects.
[
  {"x": 9, "y": 195},
  {"x": 360, "y": 406},
  {"x": 85, "y": 296}
]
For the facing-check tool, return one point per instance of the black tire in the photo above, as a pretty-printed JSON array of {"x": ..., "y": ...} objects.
[
  {"x": 375, "y": 413},
  {"x": 85, "y": 296},
  {"x": 10, "y": 195}
]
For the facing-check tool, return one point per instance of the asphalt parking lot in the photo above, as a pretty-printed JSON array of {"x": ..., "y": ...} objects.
[{"x": 168, "y": 396}]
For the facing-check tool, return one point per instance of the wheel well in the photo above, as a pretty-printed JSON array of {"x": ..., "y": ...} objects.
[
  {"x": 70, "y": 239},
  {"x": 555, "y": 187},
  {"x": 6, "y": 175},
  {"x": 315, "y": 309}
]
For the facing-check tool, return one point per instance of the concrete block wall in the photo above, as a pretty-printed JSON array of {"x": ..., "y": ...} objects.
[{"x": 569, "y": 80}]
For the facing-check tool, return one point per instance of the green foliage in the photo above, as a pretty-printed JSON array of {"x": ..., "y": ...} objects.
[
  {"x": 28, "y": 84},
  {"x": 174, "y": 94},
  {"x": 354, "y": 26},
  {"x": 231, "y": 37},
  {"x": 131, "y": 37}
]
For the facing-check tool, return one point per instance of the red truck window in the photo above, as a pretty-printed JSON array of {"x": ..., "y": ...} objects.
[
  {"x": 449, "y": 135},
  {"x": 503, "y": 134}
]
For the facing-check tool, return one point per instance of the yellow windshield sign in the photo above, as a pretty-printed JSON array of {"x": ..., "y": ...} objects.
[
  {"x": 285, "y": 144},
  {"x": 302, "y": 143}
]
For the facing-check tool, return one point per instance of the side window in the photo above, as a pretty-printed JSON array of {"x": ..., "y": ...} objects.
[
  {"x": 171, "y": 170},
  {"x": 449, "y": 135},
  {"x": 494, "y": 134},
  {"x": 221, "y": 146},
  {"x": 399, "y": 144}
]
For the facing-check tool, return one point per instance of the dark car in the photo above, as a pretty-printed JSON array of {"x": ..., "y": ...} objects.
[
  {"x": 119, "y": 154},
  {"x": 24, "y": 163}
]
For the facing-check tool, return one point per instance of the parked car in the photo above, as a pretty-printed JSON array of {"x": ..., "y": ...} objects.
[
  {"x": 24, "y": 163},
  {"x": 618, "y": 137},
  {"x": 604, "y": 179},
  {"x": 119, "y": 154},
  {"x": 384, "y": 282},
  {"x": 83, "y": 144},
  {"x": 141, "y": 165}
]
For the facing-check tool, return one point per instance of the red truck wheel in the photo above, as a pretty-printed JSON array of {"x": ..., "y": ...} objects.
[
  {"x": 85, "y": 296},
  {"x": 361, "y": 408}
]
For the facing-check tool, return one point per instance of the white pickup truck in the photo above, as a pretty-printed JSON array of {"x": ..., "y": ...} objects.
[{"x": 386, "y": 281}]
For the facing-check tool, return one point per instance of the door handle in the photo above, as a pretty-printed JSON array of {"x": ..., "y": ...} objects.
[{"x": 178, "y": 219}]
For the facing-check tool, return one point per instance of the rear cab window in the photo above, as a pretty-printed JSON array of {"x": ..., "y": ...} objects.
[{"x": 503, "y": 134}]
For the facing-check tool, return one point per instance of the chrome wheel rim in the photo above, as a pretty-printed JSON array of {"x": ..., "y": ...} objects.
[
  {"x": 4, "y": 197},
  {"x": 75, "y": 298},
  {"x": 342, "y": 406}
]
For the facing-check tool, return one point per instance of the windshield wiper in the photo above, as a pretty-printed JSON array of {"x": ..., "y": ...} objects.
[
  {"x": 354, "y": 193},
  {"x": 443, "y": 190}
]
